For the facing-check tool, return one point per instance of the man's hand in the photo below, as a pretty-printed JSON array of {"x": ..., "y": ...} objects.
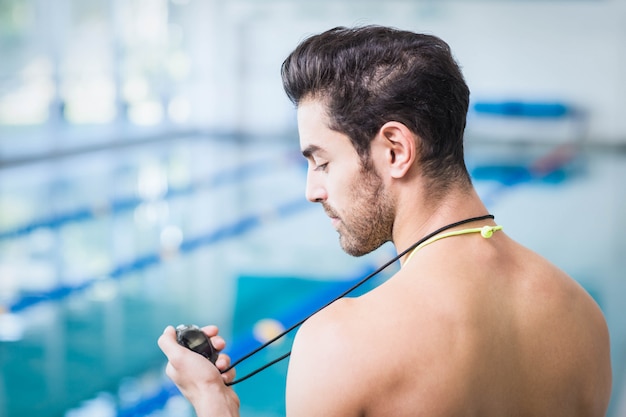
[{"x": 201, "y": 382}]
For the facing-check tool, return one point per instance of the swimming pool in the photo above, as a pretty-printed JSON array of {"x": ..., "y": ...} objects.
[{"x": 100, "y": 251}]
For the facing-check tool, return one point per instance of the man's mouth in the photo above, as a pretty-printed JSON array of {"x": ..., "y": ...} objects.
[{"x": 334, "y": 218}]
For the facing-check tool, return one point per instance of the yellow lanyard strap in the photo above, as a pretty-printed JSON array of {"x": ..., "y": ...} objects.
[{"x": 485, "y": 231}]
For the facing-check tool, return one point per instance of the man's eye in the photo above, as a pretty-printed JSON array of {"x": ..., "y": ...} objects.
[{"x": 321, "y": 167}]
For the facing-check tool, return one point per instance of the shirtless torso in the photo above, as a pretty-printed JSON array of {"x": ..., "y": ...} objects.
[{"x": 481, "y": 327}]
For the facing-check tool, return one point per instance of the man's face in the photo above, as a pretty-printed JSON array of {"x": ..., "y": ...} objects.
[{"x": 353, "y": 197}]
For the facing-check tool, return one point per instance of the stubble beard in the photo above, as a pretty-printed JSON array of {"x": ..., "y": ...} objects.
[{"x": 369, "y": 223}]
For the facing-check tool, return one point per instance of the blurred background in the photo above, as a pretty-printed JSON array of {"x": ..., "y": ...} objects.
[{"x": 150, "y": 175}]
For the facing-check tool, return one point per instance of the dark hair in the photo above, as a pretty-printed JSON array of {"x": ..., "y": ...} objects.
[{"x": 367, "y": 76}]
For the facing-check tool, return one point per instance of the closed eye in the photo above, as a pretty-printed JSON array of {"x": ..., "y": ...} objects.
[{"x": 321, "y": 167}]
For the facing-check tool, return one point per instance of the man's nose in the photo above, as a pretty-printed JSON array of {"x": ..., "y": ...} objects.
[{"x": 315, "y": 191}]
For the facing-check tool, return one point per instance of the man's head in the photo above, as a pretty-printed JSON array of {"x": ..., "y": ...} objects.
[{"x": 371, "y": 75}]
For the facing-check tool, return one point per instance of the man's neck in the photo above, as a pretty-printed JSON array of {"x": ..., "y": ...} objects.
[{"x": 416, "y": 217}]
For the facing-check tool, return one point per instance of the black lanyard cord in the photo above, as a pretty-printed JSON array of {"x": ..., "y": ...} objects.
[{"x": 346, "y": 292}]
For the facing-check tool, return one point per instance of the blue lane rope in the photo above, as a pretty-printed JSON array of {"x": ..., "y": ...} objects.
[
  {"x": 150, "y": 403},
  {"x": 547, "y": 167},
  {"x": 237, "y": 228},
  {"x": 119, "y": 205},
  {"x": 521, "y": 109}
]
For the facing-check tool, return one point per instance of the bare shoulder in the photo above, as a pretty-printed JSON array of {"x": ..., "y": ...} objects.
[
  {"x": 323, "y": 368},
  {"x": 563, "y": 333},
  {"x": 371, "y": 355},
  {"x": 547, "y": 291},
  {"x": 558, "y": 307}
]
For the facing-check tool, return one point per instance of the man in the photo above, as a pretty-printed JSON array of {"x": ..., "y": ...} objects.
[{"x": 473, "y": 324}]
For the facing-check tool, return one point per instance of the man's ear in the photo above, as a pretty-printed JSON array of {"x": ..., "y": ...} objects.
[{"x": 400, "y": 148}]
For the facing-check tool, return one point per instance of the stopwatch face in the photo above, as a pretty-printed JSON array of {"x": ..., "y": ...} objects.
[{"x": 193, "y": 338}]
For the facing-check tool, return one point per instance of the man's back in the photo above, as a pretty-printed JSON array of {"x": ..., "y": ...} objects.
[{"x": 470, "y": 327}]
